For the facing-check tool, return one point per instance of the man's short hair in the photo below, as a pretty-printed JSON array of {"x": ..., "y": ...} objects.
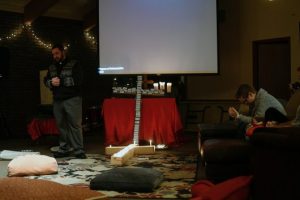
[
  {"x": 243, "y": 91},
  {"x": 59, "y": 46}
]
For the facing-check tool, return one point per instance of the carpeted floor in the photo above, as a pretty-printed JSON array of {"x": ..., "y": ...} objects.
[
  {"x": 178, "y": 164},
  {"x": 178, "y": 169}
]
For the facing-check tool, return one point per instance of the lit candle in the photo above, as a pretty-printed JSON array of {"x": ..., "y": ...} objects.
[
  {"x": 150, "y": 142},
  {"x": 109, "y": 145}
]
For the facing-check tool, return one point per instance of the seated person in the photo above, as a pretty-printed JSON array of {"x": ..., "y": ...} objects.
[{"x": 261, "y": 101}]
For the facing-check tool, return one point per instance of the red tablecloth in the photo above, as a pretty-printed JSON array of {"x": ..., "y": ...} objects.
[
  {"x": 160, "y": 120},
  {"x": 39, "y": 127}
]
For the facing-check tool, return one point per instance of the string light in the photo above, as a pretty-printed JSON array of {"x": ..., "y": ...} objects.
[
  {"x": 14, "y": 34},
  {"x": 36, "y": 38},
  {"x": 27, "y": 27},
  {"x": 91, "y": 39}
]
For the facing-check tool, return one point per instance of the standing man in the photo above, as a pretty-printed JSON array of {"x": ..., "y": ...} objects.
[{"x": 64, "y": 79}]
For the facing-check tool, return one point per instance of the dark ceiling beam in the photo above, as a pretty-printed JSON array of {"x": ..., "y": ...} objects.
[
  {"x": 36, "y": 8},
  {"x": 90, "y": 20}
]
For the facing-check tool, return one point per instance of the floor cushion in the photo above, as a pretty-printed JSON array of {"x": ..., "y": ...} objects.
[
  {"x": 32, "y": 165},
  {"x": 233, "y": 189},
  {"x": 132, "y": 179},
  {"x": 24, "y": 188}
]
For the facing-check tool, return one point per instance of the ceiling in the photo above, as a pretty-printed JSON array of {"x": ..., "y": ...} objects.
[{"x": 67, "y": 9}]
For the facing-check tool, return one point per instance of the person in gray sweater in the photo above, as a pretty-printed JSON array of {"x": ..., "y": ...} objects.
[{"x": 262, "y": 103}]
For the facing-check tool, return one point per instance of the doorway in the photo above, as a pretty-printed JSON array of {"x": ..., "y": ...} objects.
[{"x": 272, "y": 66}]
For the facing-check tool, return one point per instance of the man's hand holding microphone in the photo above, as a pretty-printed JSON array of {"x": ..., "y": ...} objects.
[{"x": 55, "y": 81}]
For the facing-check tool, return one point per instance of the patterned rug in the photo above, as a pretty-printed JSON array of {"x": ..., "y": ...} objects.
[{"x": 178, "y": 169}]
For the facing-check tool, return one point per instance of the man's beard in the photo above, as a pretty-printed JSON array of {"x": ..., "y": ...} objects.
[{"x": 57, "y": 60}]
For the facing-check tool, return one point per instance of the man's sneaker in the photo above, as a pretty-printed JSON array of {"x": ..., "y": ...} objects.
[
  {"x": 80, "y": 156},
  {"x": 56, "y": 149},
  {"x": 61, "y": 154}
]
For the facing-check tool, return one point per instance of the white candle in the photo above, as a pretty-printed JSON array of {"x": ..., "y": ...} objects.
[
  {"x": 155, "y": 85},
  {"x": 150, "y": 142},
  {"x": 162, "y": 86},
  {"x": 109, "y": 145},
  {"x": 169, "y": 87}
]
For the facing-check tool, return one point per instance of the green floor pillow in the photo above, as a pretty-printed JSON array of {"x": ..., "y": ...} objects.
[{"x": 130, "y": 179}]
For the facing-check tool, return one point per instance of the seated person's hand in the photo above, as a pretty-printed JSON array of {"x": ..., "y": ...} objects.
[
  {"x": 257, "y": 120},
  {"x": 55, "y": 81},
  {"x": 233, "y": 112}
]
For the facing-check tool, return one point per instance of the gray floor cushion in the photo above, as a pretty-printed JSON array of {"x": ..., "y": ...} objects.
[{"x": 131, "y": 179}]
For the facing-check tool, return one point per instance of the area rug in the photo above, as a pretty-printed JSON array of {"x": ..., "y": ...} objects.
[{"x": 178, "y": 169}]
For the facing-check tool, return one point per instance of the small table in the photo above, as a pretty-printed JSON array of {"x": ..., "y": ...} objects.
[{"x": 160, "y": 121}]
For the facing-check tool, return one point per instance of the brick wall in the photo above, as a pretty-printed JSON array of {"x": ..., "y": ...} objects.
[{"x": 19, "y": 92}]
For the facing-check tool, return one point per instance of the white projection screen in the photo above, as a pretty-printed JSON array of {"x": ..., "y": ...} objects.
[{"x": 158, "y": 37}]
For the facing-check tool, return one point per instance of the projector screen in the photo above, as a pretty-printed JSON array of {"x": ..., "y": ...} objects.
[{"x": 158, "y": 37}]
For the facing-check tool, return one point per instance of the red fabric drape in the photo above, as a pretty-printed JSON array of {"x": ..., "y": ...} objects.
[
  {"x": 39, "y": 127},
  {"x": 160, "y": 120}
]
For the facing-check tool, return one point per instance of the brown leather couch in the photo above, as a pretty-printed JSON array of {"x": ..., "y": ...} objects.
[
  {"x": 271, "y": 155},
  {"x": 223, "y": 150},
  {"x": 276, "y": 163}
]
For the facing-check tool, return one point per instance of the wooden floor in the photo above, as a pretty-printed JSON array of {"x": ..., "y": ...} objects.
[{"x": 93, "y": 142}]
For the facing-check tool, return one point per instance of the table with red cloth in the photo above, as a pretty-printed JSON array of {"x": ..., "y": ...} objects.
[
  {"x": 160, "y": 121},
  {"x": 38, "y": 127}
]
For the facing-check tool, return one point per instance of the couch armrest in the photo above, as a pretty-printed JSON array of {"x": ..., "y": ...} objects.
[{"x": 214, "y": 131}]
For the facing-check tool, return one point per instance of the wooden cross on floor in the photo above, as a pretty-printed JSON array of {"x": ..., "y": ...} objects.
[{"x": 120, "y": 154}]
